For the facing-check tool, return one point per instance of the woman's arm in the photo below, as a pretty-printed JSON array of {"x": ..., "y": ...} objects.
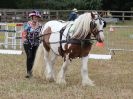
[{"x": 25, "y": 32}]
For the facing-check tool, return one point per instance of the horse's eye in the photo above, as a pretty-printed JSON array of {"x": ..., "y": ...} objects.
[{"x": 104, "y": 24}]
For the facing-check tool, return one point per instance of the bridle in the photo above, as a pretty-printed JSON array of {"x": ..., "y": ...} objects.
[{"x": 94, "y": 29}]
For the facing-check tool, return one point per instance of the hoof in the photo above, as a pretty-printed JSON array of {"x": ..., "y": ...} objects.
[
  {"x": 88, "y": 83},
  {"x": 50, "y": 78},
  {"x": 29, "y": 75},
  {"x": 61, "y": 81}
]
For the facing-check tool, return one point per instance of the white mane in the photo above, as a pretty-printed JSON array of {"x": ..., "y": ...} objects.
[{"x": 81, "y": 26}]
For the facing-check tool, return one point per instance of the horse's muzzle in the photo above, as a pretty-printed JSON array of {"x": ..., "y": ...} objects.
[{"x": 100, "y": 37}]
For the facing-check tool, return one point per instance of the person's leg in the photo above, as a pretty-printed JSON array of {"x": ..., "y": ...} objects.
[
  {"x": 34, "y": 52},
  {"x": 29, "y": 55},
  {"x": 30, "y": 60}
]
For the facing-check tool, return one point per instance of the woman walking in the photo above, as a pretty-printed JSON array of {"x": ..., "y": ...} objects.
[{"x": 31, "y": 29}]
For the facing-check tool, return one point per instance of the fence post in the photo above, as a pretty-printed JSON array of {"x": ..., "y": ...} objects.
[
  {"x": 6, "y": 36},
  {"x": 123, "y": 14},
  {"x": 57, "y": 15}
]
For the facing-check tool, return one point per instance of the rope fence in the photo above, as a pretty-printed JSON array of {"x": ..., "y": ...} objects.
[{"x": 11, "y": 35}]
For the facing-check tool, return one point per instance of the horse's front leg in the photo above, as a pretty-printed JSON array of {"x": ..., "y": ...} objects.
[
  {"x": 49, "y": 72},
  {"x": 84, "y": 72},
  {"x": 53, "y": 59},
  {"x": 61, "y": 74}
]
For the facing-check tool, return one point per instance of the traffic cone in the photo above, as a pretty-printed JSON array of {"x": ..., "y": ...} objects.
[{"x": 100, "y": 44}]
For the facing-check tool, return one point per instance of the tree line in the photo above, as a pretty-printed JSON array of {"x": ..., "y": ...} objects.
[{"x": 121, "y": 5}]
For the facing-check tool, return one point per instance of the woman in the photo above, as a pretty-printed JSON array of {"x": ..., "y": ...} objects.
[{"x": 31, "y": 29}]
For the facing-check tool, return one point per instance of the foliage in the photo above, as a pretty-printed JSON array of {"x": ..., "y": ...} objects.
[
  {"x": 68, "y": 4},
  {"x": 117, "y": 4},
  {"x": 52, "y": 4}
]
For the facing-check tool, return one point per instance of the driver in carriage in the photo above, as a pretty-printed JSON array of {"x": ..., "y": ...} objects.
[
  {"x": 73, "y": 15},
  {"x": 31, "y": 42}
]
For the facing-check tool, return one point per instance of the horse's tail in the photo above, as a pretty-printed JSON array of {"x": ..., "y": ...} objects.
[{"x": 38, "y": 66}]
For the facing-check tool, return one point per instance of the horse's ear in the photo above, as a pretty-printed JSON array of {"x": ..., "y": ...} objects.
[
  {"x": 101, "y": 14},
  {"x": 92, "y": 15}
]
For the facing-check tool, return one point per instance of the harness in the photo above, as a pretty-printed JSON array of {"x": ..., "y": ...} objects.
[
  {"x": 61, "y": 33},
  {"x": 68, "y": 40},
  {"x": 81, "y": 42}
]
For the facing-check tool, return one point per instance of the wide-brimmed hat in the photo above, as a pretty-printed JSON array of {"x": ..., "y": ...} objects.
[
  {"x": 75, "y": 10},
  {"x": 35, "y": 13}
]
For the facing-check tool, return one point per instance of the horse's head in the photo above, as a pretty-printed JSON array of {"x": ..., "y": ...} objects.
[{"x": 97, "y": 24}]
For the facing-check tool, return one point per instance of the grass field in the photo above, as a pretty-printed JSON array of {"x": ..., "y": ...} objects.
[{"x": 113, "y": 79}]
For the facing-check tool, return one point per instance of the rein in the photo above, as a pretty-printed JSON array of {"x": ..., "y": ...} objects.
[
  {"x": 69, "y": 41},
  {"x": 46, "y": 34},
  {"x": 64, "y": 41}
]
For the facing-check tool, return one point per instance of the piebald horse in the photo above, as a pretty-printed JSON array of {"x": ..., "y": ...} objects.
[{"x": 70, "y": 40}]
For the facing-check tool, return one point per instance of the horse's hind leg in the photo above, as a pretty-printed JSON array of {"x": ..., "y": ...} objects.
[
  {"x": 49, "y": 72},
  {"x": 84, "y": 72},
  {"x": 61, "y": 74}
]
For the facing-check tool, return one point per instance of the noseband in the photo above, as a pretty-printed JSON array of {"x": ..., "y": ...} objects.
[
  {"x": 93, "y": 26},
  {"x": 94, "y": 29}
]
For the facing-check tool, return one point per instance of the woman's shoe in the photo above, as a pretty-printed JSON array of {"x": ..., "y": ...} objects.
[{"x": 29, "y": 75}]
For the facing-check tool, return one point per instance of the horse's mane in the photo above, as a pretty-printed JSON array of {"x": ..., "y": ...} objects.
[{"x": 81, "y": 26}]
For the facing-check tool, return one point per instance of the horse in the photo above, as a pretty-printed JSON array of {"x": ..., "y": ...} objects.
[{"x": 69, "y": 40}]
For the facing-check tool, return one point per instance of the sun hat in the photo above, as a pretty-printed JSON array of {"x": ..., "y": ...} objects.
[{"x": 35, "y": 13}]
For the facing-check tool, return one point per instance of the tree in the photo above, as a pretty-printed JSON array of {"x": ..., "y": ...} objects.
[
  {"x": 25, "y": 4},
  {"x": 93, "y": 4},
  {"x": 8, "y": 4},
  {"x": 117, "y": 4},
  {"x": 68, "y": 4}
]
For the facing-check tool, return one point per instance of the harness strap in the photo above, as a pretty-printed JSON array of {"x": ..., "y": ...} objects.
[
  {"x": 80, "y": 42},
  {"x": 61, "y": 33},
  {"x": 69, "y": 31}
]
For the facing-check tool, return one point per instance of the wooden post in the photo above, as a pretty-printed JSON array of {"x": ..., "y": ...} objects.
[
  {"x": 123, "y": 16},
  {"x": 5, "y": 16},
  {"x": 57, "y": 15},
  {"x": 15, "y": 16}
]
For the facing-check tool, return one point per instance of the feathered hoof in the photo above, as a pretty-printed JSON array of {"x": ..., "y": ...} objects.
[
  {"x": 88, "y": 83},
  {"x": 61, "y": 82},
  {"x": 50, "y": 78}
]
